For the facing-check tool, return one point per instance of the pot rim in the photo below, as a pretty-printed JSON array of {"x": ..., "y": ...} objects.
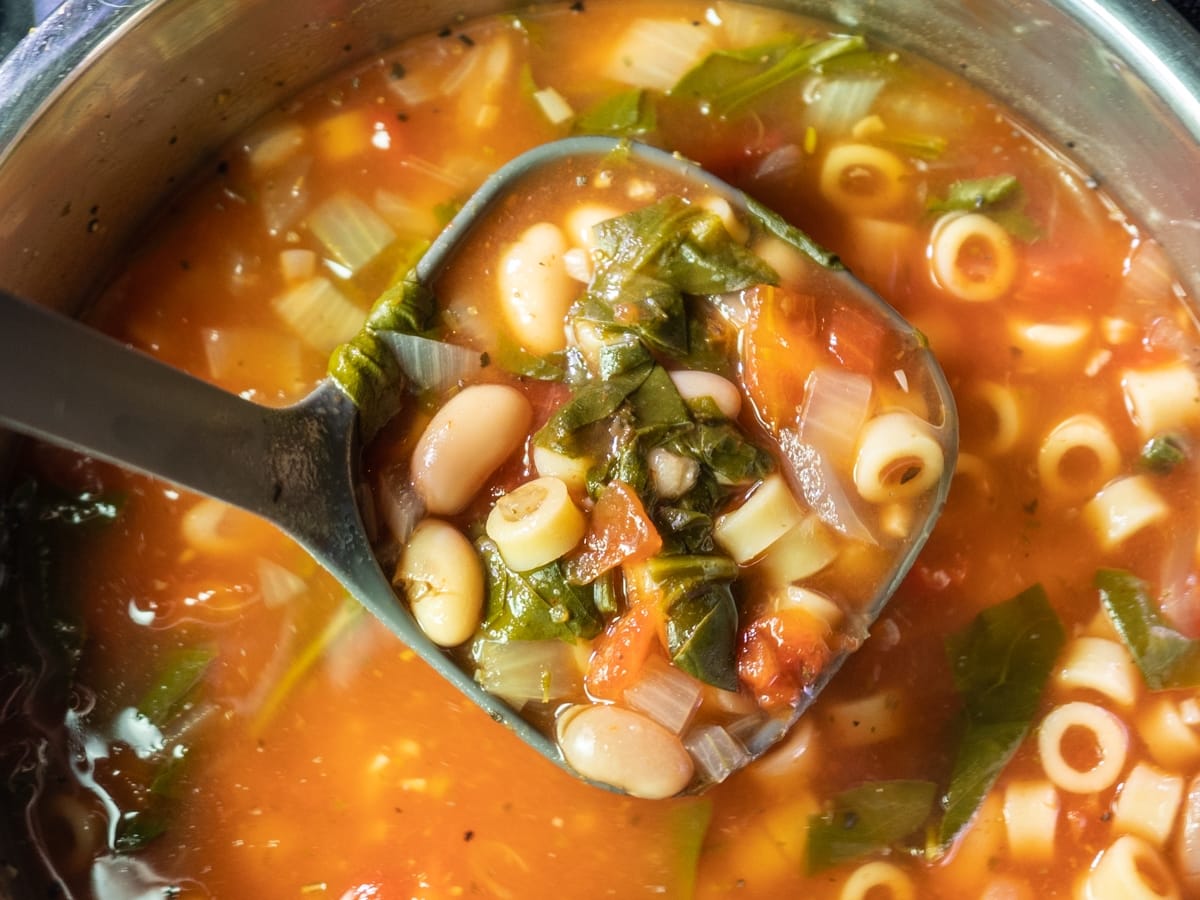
[{"x": 1154, "y": 41}]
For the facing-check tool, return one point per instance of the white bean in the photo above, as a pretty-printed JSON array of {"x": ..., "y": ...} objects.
[
  {"x": 625, "y": 749},
  {"x": 536, "y": 289},
  {"x": 671, "y": 474},
  {"x": 695, "y": 383},
  {"x": 465, "y": 442},
  {"x": 442, "y": 578},
  {"x": 582, "y": 219}
]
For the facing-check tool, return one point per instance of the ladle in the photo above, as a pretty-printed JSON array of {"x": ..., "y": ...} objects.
[{"x": 298, "y": 467}]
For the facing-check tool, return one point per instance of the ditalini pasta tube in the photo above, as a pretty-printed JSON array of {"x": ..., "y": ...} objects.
[
  {"x": 972, "y": 257},
  {"x": 898, "y": 457}
]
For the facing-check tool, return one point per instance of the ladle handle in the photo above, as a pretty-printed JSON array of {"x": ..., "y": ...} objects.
[{"x": 71, "y": 385}]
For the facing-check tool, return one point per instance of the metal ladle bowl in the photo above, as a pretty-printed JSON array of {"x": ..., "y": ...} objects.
[{"x": 298, "y": 467}]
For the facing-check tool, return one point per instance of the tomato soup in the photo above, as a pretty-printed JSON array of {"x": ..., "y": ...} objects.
[{"x": 210, "y": 715}]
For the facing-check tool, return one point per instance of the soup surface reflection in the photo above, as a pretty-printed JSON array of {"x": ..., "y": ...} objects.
[{"x": 1022, "y": 721}]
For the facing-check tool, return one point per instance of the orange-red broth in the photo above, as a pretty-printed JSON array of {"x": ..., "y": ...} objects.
[{"x": 360, "y": 773}]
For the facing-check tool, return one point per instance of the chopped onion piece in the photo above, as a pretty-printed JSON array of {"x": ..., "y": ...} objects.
[
  {"x": 836, "y": 105},
  {"x": 406, "y": 215},
  {"x": 430, "y": 364},
  {"x": 520, "y": 671},
  {"x": 821, "y": 487},
  {"x": 783, "y": 161},
  {"x": 1148, "y": 278},
  {"x": 554, "y": 105},
  {"x": 758, "y": 732},
  {"x": 656, "y": 53},
  {"x": 749, "y": 26},
  {"x": 666, "y": 694},
  {"x": 283, "y": 197},
  {"x": 273, "y": 146},
  {"x": 448, "y": 174},
  {"x": 836, "y": 405},
  {"x": 716, "y": 753},
  {"x": 278, "y": 585},
  {"x": 233, "y": 353},
  {"x": 213, "y": 527},
  {"x": 399, "y": 505},
  {"x": 412, "y": 85},
  {"x": 297, "y": 264},
  {"x": 352, "y": 232},
  {"x": 319, "y": 314}
]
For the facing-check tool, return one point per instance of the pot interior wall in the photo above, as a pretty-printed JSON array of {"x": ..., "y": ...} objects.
[
  {"x": 107, "y": 110},
  {"x": 93, "y": 147}
]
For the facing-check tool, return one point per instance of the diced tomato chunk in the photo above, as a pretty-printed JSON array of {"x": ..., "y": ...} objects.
[
  {"x": 621, "y": 652},
  {"x": 855, "y": 338},
  {"x": 777, "y": 354},
  {"x": 781, "y": 654},
  {"x": 620, "y": 531}
]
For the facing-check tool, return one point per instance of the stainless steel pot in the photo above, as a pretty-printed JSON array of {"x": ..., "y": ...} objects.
[{"x": 108, "y": 106}]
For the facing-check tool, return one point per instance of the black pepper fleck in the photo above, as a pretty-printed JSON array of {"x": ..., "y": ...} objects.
[
  {"x": 445, "y": 32},
  {"x": 222, "y": 167},
  {"x": 466, "y": 39},
  {"x": 468, "y": 834},
  {"x": 398, "y": 71},
  {"x": 577, "y": 6}
]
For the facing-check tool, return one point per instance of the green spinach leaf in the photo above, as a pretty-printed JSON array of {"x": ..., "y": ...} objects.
[
  {"x": 1000, "y": 664},
  {"x": 594, "y": 402},
  {"x": 175, "y": 684},
  {"x": 999, "y": 196},
  {"x": 974, "y": 194},
  {"x": 1162, "y": 453},
  {"x": 535, "y": 606},
  {"x": 1166, "y": 658},
  {"x": 626, "y": 114},
  {"x": 729, "y": 80},
  {"x": 702, "y": 635},
  {"x": 867, "y": 819},
  {"x": 647, "y": 259},
  {"x": 687, "y": 826}
]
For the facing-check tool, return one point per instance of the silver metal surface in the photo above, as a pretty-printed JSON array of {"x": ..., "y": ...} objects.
[{"x": 106, "y": 108}]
